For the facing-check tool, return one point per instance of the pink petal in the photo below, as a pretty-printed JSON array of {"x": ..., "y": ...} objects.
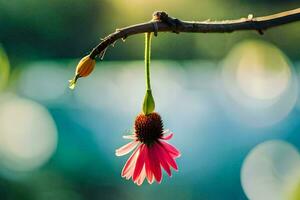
[
  {"x": 149, "y": 173},
  {"x": 142, "y": 177},
  {"x": 162, "y": 159},
  {"x": 171, "y": 149},
  {"x": 167, "y": 137},
  {"x": 129, "y": 172},
  {"x": 130, "y": 137},
  {"x": 166, "y": 131},
  {"x": 128, "y": 168},
  {"x": 167, "y": 156},
  {"x": 155, "y": 165},
  {"x": 126, "y": 148},
  {"x": 139, "y": 163}
]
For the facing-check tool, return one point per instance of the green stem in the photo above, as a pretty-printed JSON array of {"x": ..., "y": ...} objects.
[
  {"x": 147, "y": 59},
  {"x": 148, "y": 104}
]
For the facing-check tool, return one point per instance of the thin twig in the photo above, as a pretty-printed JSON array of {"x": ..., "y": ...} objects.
[{"x": 259, "y": 24}]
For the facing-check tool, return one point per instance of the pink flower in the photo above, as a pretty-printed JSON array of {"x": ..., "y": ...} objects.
[{"x": 151, "y": 150}]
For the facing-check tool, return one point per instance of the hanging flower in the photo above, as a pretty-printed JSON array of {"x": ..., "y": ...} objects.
[
  {"x": 83, "y": 69},
  {"x": 151, "y": 150}
]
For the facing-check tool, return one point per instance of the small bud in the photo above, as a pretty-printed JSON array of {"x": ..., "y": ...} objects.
[
  {"x": 83, "y": 69},
  {"x": 148, "y": 104}
]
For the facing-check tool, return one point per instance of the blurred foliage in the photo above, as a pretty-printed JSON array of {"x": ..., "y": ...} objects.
[
  {"x": 56, "y": 28},
  {"x": 4, "y": 68},
  {"x": 32, "y": 29}
]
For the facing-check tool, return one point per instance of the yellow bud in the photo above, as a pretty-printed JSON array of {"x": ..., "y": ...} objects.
[
  {"x": 83, "y": 69},
  {"x": 85, "y": 66}
]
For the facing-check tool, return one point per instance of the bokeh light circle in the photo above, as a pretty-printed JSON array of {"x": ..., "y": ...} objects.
[
  {"x": 262, "y": 71},
  {"x": 44, "y": 82},
  {"x": 260, "y": 83},
  {"x": 28, "y": 135},
  {"x": 270, "y": 170}
]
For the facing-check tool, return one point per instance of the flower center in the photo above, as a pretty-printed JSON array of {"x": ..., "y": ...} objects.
[{"x": 148, "y": 128}]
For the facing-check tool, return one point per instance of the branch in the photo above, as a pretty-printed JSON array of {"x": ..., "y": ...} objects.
[{"x": 161, "y": 22}]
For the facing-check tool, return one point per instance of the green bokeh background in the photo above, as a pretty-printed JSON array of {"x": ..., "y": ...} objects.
[{"x": 41, "y": 43}]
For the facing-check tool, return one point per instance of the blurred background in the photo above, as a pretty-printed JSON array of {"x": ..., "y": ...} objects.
[{"x": 232, "y": 101}]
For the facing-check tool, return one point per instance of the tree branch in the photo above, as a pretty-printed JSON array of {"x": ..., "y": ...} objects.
[{"x": 165, "y": 25}]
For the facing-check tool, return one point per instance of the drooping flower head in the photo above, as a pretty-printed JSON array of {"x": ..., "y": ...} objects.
[{"x": 151, "y": 151}]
